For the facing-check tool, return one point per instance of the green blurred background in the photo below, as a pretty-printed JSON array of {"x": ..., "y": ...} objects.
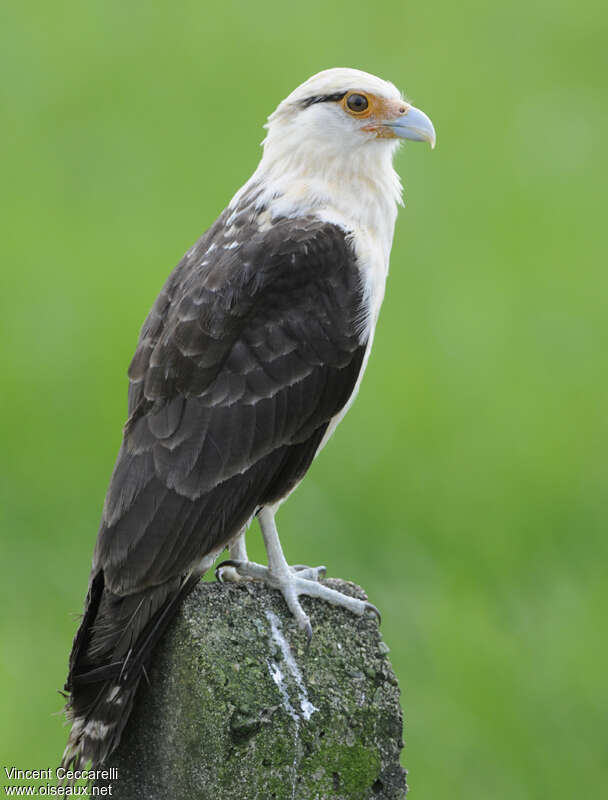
[{"x": 466, "y": 490}]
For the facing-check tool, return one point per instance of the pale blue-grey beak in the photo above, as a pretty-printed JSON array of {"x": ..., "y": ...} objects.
[{"x": 414, "y": 125}]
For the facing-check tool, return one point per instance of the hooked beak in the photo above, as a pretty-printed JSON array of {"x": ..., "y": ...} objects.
[{"x": 412, "y": 124}]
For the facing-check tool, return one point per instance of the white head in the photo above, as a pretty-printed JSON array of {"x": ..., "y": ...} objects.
[
  {"x": 339, "y": 115},
  {"x": 330, "y": 146},
  {"x": 346, "y": 109}
]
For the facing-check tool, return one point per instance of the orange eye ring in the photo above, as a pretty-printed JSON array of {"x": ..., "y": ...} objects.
[{"x": 356, "y": 103}]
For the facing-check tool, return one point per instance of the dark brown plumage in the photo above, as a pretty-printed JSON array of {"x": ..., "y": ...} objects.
[{"x": 247, "y": 354}]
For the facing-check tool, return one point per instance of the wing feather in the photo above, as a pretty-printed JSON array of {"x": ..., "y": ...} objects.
[{"x": 241, "y": 365}]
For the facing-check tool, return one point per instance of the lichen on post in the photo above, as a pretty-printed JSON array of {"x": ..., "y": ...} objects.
[{"x": 237, "y": 705}]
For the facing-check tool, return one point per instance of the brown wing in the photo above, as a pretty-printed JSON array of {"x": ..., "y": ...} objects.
[
  {"x": 241, "y": 365},
  {"x": 246, "y": 356}
]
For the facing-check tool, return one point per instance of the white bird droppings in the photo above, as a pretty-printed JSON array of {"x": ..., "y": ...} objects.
[
  {"x": 307, "y": 709},
  {"x": 293, "y": 676},
  {"x": 277, "y": 677}
]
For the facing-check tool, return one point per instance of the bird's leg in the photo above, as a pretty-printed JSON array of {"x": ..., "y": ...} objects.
[
  {"x": 289, "y": 581},
  {"x": 238, "y": 552}
]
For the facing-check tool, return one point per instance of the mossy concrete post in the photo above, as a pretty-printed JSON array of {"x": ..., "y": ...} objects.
[{"x": 238, "y": 707}]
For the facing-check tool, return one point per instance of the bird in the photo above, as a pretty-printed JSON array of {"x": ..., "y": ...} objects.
[{"x": 248, "y": 360}]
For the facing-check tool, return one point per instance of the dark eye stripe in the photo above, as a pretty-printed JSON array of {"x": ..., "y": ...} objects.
[{"x": 323, "y": 98}]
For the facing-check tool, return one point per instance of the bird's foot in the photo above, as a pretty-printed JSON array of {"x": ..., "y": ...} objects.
[
  {"x": 227, "y": 572},
  {"x": 296, "y": 581},
  {"x": 310, "y": 573}
]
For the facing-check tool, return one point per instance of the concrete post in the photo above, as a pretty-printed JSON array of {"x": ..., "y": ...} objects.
[{"x": 239, "y": 707}]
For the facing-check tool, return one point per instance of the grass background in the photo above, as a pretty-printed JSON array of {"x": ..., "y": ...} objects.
[{"x": 466, "y": 490}]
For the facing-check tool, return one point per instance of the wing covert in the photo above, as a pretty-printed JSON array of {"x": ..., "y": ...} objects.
[{"x": 244, "y": 359}]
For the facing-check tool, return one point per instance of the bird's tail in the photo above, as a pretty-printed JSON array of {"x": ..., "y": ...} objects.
[
  {"x": 111, "y": 650},
  {"x": 94, "y": 736}
]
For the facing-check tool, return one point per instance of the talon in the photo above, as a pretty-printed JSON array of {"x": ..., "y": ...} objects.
[
  {"x": 229, "y": 563},
  {"x": 308, "y": 632},
  {"x": 220, "y": 567},
  {"x": 374, "y": 610},
  {"x": 302, "y": 621}
]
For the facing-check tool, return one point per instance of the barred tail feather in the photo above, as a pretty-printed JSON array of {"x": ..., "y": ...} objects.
[
  {"x": 110, "y": 652},
  {"x": 92, "y": 738}
]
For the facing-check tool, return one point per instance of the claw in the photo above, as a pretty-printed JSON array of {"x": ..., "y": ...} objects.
[
  {"x": 228, "y": 563},
  {"x": 371, "y": 607}
]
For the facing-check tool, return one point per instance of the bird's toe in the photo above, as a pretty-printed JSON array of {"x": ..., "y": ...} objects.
[{"x": 312, "y": 573}]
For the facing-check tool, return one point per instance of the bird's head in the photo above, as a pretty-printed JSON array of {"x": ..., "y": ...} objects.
[
  {"x": 329, "y": 149},
  {"x": 345, "y": 110}
]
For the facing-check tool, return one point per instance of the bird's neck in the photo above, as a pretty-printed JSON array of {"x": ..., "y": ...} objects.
[{"x": 358, "y": 191}]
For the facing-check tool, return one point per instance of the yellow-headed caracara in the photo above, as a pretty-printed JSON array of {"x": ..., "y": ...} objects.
[{"x": 250, "y": 357}]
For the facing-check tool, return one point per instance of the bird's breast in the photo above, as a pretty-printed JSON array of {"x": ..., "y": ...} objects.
[
  {"x": 371, "y": 246},
  {"x": 372, "y": 251}
]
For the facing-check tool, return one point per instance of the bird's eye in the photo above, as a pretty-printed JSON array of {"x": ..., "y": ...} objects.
[{"x": 357, "y": 103}]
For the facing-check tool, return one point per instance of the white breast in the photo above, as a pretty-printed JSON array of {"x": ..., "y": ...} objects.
[{"x": 373, "y": 260}]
